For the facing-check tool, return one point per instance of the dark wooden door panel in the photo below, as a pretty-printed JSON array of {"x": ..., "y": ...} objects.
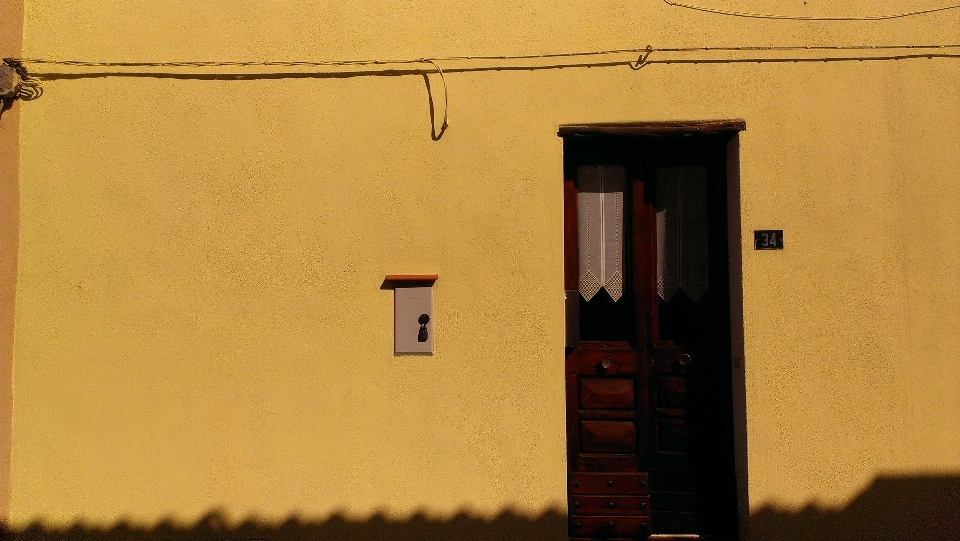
[
  {"x": 610, "y": 505},
  {"x": 610, "y": 526},
  {"x": 637, "y": 403},
  {"x": 606, "y": 539},
  {"x": 607, "y": 393},
  {"x": 608, "y": 463},
  {"x": 673, "y": 481},
  {"x": 673, "y": 461},
  {"x": 671, "y": 522},
  {"x": 671, "y": 393},
  {"x": 600, "y": 361},
  {"x": 608, "y": 437},
  {"x": 675, "y": 501},
  {"x": 672, "y": 435},
  {"x": 609, "y": 483},
  {"x": 604, "y": 393}
]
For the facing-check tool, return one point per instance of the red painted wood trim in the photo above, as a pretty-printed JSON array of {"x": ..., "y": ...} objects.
[
  {"x": 645, "y": 295},
  {"x": 573, "y": 415},
  {"x": 645, "y": 266},
  {"x": 412, "y": 278}
]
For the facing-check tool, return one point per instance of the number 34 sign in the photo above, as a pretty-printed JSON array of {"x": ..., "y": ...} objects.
[{"x": 768, "y": 239}]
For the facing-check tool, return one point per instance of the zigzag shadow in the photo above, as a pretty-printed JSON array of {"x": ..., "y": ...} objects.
[
  {"x": 507, "y": 526},
  {"x": 921, "y": 508}
]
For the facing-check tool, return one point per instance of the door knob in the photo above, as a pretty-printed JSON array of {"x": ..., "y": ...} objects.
[
  {"x": 685, "y": 359},
  {"x": 606, "y": 364}
]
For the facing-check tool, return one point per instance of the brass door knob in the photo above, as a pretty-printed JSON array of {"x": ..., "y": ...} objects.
[{"x": 685, "y": 359}]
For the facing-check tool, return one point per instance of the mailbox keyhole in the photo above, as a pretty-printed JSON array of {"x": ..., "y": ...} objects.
[{"x": 422, "y": 335}]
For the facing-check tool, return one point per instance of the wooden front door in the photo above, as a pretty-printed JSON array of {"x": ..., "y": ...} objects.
[{"x": 649, "y": 400}]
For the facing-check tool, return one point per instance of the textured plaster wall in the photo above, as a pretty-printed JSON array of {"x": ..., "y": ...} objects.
[
  {"x": 11, "y": 41},
  {"x": 199, "y": 318}
]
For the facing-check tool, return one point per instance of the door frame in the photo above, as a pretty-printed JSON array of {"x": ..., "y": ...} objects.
[{"x": 731, "y": 128}]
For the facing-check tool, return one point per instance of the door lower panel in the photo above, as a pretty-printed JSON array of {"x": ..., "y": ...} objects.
[{"x": 610, "y": 526}]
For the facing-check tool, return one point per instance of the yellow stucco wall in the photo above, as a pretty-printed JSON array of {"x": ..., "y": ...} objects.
[
  {"x": 199, "y": 318},
  {"x": 11, "y": 41}
]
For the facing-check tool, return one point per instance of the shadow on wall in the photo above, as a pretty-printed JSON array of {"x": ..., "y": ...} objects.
[
  {"x": 892, "y": 508},
  {"x": 507, "y": 526}
]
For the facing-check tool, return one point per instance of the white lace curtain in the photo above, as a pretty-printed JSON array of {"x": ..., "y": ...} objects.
[
  {"x": 682, "y": 231},
  {"x": 600, "y": 228}
]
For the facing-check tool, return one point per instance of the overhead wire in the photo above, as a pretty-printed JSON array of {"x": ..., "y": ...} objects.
[
  {"x": 32, "y": 84},
  {"x": 746, "y": 14},
  {"x": 312, "y": 63},
  {"x": 433, "y": 60},
  {"x": 797, "y": 59}
]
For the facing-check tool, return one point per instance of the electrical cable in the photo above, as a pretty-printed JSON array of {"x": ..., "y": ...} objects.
[
  {"x": 308, "y": 63},
  {"x": 809, "y": 47},
  {"x": 761, "y": 60},
  {"x": 803, "y": 18},
  {"x": 446, "y": 103},
  {"x": 433, "y": 60},
  {"x": 32, "y": 87}
]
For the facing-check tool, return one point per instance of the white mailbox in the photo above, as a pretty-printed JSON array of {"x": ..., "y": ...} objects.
[{"x": 412, "y": 313}]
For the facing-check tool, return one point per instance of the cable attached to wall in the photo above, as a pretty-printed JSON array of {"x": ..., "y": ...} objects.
[
  {"x": 437, "y": 134},
  {"x": 17, "y": 83},
  {"x": 492, "y": 58},
  {"x": 30, "y": 86},
  {"x": 749, "y": 15}
]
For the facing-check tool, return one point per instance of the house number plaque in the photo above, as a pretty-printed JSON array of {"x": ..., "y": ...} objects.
[{"x": 768, "y": 239}]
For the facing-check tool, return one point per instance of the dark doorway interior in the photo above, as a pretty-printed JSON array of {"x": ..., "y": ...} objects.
[{"x": 697, "y": 465}]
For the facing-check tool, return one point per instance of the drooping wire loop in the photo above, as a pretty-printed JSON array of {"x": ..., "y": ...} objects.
[{"x": 717, "y": 11}]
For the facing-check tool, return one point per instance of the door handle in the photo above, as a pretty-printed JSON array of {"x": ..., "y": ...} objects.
[
  {"x": 606, "y": 364},
  {"x": 685, "y": 359}
]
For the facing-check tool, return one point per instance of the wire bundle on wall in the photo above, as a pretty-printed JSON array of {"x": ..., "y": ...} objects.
[
  {"x": 21, "y": 84},
  {"x": 424, "y": 66}
]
